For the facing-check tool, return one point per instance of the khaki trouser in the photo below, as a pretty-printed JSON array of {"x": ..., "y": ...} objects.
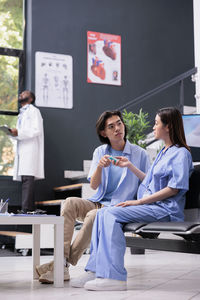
[{"x": 85, "y": 210}]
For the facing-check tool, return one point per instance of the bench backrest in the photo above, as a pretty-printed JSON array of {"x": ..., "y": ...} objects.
[
  {"x": 193, "y": 195},
  {"x": 192, "y": 205}
]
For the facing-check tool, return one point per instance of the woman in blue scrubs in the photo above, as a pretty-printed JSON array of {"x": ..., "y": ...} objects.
[{"x": 160, "y": 197}]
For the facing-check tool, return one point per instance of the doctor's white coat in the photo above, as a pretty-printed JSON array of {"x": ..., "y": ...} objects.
[{"x": 29, "y": 157}]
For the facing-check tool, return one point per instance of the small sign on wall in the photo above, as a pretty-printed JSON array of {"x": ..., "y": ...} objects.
[
  {"x": 53, "y": 80},
  {"x": 103, "y": 58}
]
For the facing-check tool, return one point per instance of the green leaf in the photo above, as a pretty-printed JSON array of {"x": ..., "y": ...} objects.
[{"x": 137, "y": 125}]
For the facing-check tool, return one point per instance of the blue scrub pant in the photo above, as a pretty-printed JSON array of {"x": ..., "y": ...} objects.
[{"x": 108, "y": 243}]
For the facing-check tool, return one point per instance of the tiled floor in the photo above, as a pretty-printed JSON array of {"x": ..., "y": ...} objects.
[{"x": 153, "y": 276}]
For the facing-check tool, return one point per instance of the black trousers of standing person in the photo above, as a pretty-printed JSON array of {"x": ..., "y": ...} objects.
[{"x": 28, "y": 202}]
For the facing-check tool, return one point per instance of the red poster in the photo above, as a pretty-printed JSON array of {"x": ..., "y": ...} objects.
[{"x": 103, "y": 58}]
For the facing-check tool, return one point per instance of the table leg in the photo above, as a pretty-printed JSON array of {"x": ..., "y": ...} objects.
[
  {"x": 58, "y": 255},
  {"x": 36, "y": 249}
]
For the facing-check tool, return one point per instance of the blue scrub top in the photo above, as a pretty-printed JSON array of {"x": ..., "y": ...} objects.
[
  {"x": 114, "y": 176},
  {"x": 128, "y": 183},
  {"x": 170, "y": 169}
]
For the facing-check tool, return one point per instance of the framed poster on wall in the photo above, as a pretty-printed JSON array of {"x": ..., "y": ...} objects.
[
  {"x": 103, "y": 58},
  {"x": 53, "y": 80}
]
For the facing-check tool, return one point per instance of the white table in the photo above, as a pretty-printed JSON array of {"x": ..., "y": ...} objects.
[{"x": 36, "y": 221}]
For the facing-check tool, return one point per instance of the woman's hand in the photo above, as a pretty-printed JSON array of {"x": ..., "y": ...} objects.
[
  {"x": 163, "y": 194},
  {"x": 122, "y": 162},
  {"x": 129, "y": 203}
]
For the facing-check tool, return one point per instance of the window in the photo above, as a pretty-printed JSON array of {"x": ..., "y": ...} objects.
[
  {"x": 11, "y": 79},
  {"x": 11, "y": 75},
  {"x": 11, "y": 23}
]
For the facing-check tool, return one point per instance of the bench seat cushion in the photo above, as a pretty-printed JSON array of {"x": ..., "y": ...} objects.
[
  {"x": 133, "y": 227},
  {"x": 170, "y": 227}
]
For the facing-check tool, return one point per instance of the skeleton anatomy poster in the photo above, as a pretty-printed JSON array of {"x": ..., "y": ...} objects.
[
  {"x": 104, "y": 58},
  {"x": 54, "y": 84}
]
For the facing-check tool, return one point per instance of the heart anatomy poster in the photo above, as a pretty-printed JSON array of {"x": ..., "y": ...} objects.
[
  {"x": 103, "y": 58},
  {"x": 54, "y": 80}
]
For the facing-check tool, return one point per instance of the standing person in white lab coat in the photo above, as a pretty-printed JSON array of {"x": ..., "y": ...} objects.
[{"x": 29, "y": 158}]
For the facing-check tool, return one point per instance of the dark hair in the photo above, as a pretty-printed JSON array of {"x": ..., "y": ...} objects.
[
  {"x": 172, "y": 117},
  {"x": 101, "y": 122},
  {"x": 32, "y": 96}
]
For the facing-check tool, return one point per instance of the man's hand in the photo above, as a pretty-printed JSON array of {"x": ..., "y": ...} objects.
[
  {"x": 14, "y": 131},
  {"x": 96, "y": 177},
  {"x": 104, "y": 161}
]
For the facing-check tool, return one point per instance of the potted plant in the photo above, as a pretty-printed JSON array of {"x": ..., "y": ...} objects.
[{"x": 136, "y": 125}]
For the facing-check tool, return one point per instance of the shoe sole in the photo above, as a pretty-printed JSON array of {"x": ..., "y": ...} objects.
[
  {"x": 68, "y": 279},
  {"x": 49, "y": 281},
  {"x": 45, "y": 281},
  {"x": 77, "y": 286},
  {"x": 105, "y": 288}
]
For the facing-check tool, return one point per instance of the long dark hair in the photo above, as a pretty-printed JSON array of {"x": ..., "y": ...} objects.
[
  {"x": 172, "y": 117},
  {"x": 101, "y": 123}
]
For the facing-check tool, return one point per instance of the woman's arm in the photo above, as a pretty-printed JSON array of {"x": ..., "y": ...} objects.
[
  {"x": 124, "y": 162},
  {"x": 96, "y": 177},
  {"x": 163, "y": 194}
]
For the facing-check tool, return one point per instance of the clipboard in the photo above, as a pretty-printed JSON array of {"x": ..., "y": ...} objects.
[{"x": 6, "y": 129}]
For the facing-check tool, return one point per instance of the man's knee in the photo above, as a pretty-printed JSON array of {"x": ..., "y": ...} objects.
[{"x": 69, "y": 204}]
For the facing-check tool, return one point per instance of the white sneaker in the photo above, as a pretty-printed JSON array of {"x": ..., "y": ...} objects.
[
  {"x": 105, "y": 284},
  {"x": 81, "y": 280},
  {"x": 48, "y": 277}
]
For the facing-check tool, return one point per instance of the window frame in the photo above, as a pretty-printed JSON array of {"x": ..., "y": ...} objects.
[
  {"x": 21, "y": 79},
  {"x": 21, "y": 54}
]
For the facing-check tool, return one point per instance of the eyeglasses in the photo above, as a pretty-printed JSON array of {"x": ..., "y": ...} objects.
[{"x": 112, "y": 126}]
